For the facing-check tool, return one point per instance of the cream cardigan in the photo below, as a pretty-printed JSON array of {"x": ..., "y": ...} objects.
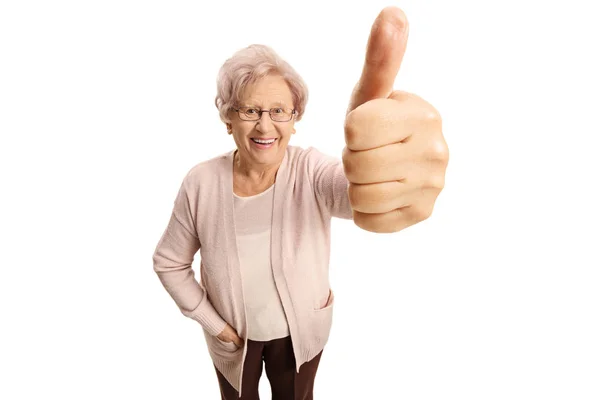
[{"x": 310, "y": 189}]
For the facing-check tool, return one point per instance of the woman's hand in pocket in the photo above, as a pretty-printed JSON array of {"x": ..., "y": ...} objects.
[{"x": 230, "y": 335}]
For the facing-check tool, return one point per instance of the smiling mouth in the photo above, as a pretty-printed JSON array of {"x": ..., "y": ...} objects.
[{"x": 262, "y": 141}]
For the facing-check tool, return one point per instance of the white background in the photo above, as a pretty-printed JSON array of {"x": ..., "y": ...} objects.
[{"x": 104, "y": 106}]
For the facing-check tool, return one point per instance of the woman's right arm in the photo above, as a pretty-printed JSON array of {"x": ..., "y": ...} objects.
[{"x": 172, "y": 262}]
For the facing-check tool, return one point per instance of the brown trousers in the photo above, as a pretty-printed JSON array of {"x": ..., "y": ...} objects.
[{"x": 280, "y": 367}]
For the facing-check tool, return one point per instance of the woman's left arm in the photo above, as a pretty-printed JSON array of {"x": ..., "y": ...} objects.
[{"x": 330, "y": 183}]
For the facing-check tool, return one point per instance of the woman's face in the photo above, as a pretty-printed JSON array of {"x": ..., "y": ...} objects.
[{"x": 269, "y": 92}]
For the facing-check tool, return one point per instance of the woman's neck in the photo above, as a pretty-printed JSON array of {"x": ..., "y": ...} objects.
[{"x": 252, "y": 174}]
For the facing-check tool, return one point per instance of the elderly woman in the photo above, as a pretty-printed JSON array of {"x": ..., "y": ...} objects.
[{"x": 260, "y": 214}]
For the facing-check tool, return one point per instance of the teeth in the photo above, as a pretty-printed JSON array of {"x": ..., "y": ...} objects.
[{"x": 264, "y": 141}]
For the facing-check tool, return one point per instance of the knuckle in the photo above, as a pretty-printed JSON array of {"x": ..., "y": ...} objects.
[
  {"x": 438, "y": 151},
  {"x": 421, "y": 213},
  {"x": 433, "y": 116},
  {"x": 436, "y": 181}
]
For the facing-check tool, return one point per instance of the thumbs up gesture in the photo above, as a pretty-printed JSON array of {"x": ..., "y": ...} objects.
[{"x": 395, "y": 156}]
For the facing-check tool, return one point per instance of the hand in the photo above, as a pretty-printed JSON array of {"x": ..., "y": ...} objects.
[
  {"x": 230, "y": 335},
  {"x": 395, "y": 156}
]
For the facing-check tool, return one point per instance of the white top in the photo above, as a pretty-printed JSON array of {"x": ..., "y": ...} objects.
[{"x": 253, "y": 216}]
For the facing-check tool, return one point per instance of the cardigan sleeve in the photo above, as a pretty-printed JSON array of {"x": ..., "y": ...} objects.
[
  {"x": 172, "y": 262},
  {"x": 330, "y": 182}
]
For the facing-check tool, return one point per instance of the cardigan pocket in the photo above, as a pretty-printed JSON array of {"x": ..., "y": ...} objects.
[
  {"x": 322, "y": 320},
  {"x": 328, "y": 303},
  {"x": 228, "y": 345},
  {"x": 227, "y": 350}
]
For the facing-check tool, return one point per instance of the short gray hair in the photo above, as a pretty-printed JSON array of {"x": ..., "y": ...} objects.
[{"x": 247, "y": 66}]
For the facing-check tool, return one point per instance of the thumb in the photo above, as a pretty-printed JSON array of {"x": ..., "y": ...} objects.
[
  {"x": 238, "y": 341},
  {"x": 385, "y": 50}
]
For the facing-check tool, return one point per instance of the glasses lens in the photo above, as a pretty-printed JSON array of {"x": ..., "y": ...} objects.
[
  {"x": 281, "y": 114},
  {"x": 249, "y": 114}
]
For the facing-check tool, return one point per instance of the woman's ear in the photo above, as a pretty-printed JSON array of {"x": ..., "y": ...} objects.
[{"x": 228, "y": 128}]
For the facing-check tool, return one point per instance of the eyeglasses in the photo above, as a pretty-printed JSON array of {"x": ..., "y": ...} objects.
[{"x": 277, "y": 114}]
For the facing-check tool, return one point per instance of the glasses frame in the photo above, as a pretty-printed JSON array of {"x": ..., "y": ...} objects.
[{"x": 260, "y": 113}]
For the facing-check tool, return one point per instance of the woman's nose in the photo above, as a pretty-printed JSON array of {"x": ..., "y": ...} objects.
[{"x": 264, "y": 123}]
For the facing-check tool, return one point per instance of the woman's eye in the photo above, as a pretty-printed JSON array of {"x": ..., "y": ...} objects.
[
  {"x": 251, "y": 111},
  {"x": 278, "y": 110}
]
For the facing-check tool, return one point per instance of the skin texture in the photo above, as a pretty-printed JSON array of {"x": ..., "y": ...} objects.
[{"x": 395, "y": 156}]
